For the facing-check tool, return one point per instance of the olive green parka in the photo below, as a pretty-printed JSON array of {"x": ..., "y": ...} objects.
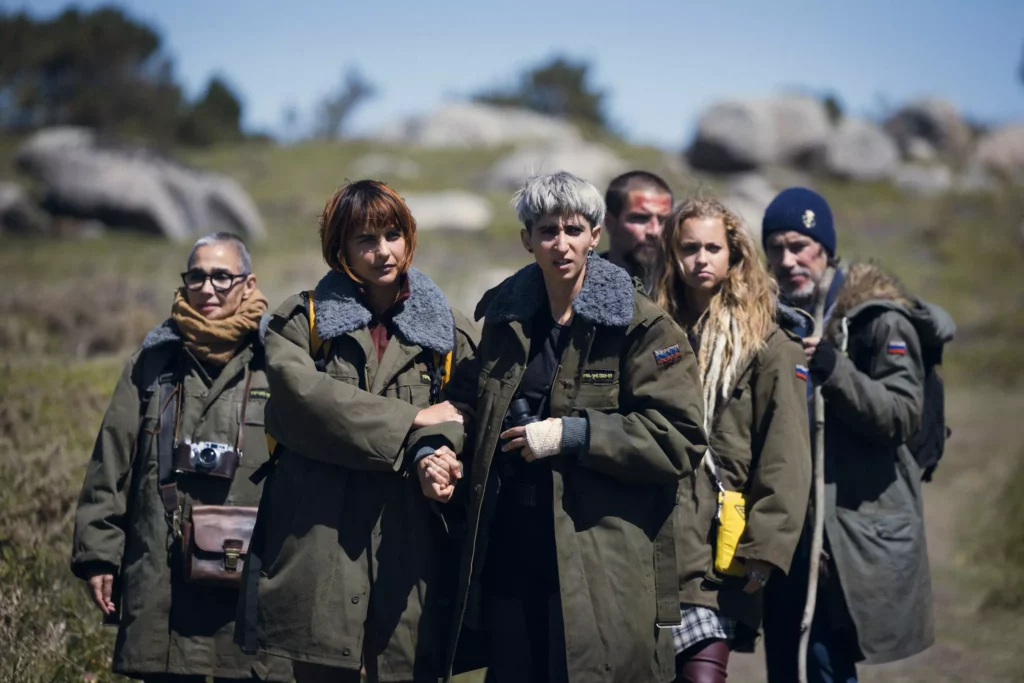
[
  {"x": 167, "y": 625},
  {"x": 874, "y": 512},
  {"x": 761, "y": 439},
  {"x": 350, "y": 549},
  {"x": 629, "y": 371}
]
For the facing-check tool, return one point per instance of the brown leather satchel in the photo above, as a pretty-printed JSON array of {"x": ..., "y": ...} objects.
[{"x": 215, "y": 543}]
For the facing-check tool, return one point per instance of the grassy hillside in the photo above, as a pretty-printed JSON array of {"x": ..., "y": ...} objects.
[{"x": 71, "y": 311}]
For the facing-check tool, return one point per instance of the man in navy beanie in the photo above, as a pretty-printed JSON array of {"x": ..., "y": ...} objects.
[
  {"x": 799, "y": 238},
  {"x": 874, "y": 589}
]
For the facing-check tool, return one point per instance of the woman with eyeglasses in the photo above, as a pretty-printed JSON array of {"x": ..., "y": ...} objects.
[
  {"x": 350, "y": 548},
  {"x": 192, "y": 396}
]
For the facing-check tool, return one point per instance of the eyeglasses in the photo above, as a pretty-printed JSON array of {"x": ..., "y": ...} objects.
[{"x": 221, "y": 280}]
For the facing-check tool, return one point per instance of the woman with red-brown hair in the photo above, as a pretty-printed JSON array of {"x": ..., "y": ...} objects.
[{"x": 347, "y": 545}]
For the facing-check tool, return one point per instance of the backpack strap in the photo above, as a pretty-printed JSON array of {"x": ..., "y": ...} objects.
[
  {"x": 318, "y": 348},
  {"x": 440, "y": 370}
]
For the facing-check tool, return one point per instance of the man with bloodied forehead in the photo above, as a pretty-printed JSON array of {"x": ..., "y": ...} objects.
[{"x": 637, "y": 205}]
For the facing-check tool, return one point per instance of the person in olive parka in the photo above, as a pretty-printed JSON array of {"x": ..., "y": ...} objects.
[
  {"x": 755, "y": 386},
  {"x": 569, "y": 556},
  {"x": 125, "y": 544},
  {"x": 874, "y": 600},
  {"x": 350, "y": 549}
]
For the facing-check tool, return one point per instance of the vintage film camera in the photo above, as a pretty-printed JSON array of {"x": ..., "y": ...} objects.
[{"x": 206, "y": 458}]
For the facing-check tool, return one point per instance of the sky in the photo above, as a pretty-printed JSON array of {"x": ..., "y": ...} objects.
[{"x": 660, "y": 63}]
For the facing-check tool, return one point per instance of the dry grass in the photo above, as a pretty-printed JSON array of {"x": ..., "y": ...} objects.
[{"x": 49, "y": 630}]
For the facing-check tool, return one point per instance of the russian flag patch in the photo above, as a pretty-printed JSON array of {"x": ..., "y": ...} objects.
[
  {"x": 801, "y": 372},
  {"x": 668, "y": 356},
  {"x": 897, "y": 348}
]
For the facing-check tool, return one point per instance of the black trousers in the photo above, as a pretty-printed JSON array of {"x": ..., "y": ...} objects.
[{"x": 526, "y": 640}]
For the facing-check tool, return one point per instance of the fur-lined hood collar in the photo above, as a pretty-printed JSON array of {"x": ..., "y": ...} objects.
[
  {"x": 424, "y": 319},
  {"x": 792, "y": 318},
  {"x": 868, "y": 286},
  {"x": 605, "y": 299},
  {"x": 167, "y": 332}
]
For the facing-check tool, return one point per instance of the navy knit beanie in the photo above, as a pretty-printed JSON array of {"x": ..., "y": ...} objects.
[{"x": 804, "y": 211}]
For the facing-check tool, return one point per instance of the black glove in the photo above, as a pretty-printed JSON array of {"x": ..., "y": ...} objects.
[{"x": 823, "y": 362}]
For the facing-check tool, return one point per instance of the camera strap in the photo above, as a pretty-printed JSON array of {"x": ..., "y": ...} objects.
[{"x": 167, "y": 436}]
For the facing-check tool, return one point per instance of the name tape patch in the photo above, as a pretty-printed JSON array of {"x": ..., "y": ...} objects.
[
  {"x": 801, "y": 372},
  {"x": 599, "y": 377},
  {"x": 668, "y": 356},
  {"x": 259, "y": 393},
  {"x": 897, "y": 348}
]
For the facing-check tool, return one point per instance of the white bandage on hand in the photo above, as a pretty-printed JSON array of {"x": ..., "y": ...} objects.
[{"x": 544, "y": 438}]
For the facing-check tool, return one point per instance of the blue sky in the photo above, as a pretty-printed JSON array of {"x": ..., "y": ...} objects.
[{"x": 660, "y": 62}]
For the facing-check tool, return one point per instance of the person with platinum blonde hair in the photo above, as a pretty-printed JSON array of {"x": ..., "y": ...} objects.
[
  {"x": 588, "y": 415},
  {"x": 755, "y": 415}
]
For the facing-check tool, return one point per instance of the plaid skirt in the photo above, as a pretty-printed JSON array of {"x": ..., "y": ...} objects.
[{"x": 701, "y": 623}]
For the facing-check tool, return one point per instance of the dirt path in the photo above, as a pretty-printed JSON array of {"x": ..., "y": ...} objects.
[{"x": 970, "y": 647}]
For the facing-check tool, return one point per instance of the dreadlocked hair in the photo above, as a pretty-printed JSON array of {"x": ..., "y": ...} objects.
[{"x": 741, "y": 313}]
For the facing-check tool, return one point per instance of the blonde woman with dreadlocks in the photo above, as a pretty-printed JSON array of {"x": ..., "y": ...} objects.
[{"x": 740, "y": 516}]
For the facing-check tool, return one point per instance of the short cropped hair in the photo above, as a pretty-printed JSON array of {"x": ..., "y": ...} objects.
[
  {"x": 364, "y": 206},
  {"x": 223, "y": 238},
  {"x": 559, "y": 193},
  {"x": 620, "y": 187}
]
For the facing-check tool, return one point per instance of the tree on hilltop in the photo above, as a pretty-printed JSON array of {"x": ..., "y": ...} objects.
[
  {"x": 105, "y": 70},
  {"x": 560, "y": 87}
]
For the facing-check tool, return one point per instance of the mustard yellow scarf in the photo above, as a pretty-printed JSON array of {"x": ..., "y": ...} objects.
[{"x": 217, "y": 341}]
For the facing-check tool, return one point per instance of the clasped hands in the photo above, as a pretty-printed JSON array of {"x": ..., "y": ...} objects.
[{"x": 439, "y": 471}]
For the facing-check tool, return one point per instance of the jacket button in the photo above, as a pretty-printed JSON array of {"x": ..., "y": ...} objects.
[
  {"x": 346, "y": 652},
  {"x": 509, "y": 374},
  {"x": 478, "y": 488},
  {"x": 205, "y": 393},
  {"x": 355, "y": 599}
]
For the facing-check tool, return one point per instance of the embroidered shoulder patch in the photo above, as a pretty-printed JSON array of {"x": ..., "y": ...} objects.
[
  {"x": 668, "y": 356},
  {"x": 259, "y": 393},
  {"x": 801, "y": 372},
  {"x": 599, "y": 377},
  {"x": 897, "y": 348},
  {"x": 425, "y": 378}
]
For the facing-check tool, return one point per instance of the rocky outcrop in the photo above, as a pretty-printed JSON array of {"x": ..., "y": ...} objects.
[
  {"x": 466, "y": 124},
  {"x": 595, "y": 163},
  {"x": 933, "y": 121},
  {"x": 135, "y": 188},
  {"x": 742, "y": 135},
  {"x": 860, "y": 150},
  {"x": 452, "y": 210}
]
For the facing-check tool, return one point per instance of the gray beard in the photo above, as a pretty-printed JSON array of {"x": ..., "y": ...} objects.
[
  {"x": 648, "y": 272},
  {"x": 803, "y": 297}
]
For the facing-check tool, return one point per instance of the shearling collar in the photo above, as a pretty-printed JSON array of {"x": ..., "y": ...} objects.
[
  {"x": 164, "y": 333},
  {"x": 868, "y": 286},
  {"x": 424, "y": 319},
  {"x": 605, "y": 299}
]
